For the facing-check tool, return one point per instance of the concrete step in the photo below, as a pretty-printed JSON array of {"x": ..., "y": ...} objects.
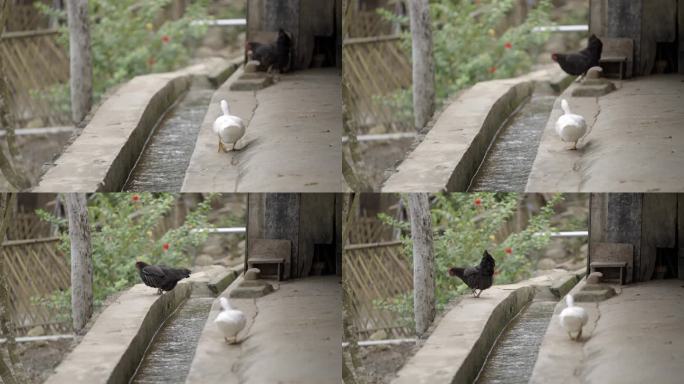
[
  {"x": 251, "y": 84},
  {"x": 249, "y": 291}
]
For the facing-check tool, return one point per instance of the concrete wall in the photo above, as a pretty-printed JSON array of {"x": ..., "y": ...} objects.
[
  {"x": 646, "y": 22},
  {"x": 112, "y": 349},
  {"x": 647, "y": 221},
  {"x": 304, "y": 219},
  {"x": 452, "y": 151},
  {"x": 303, "y": 19}
]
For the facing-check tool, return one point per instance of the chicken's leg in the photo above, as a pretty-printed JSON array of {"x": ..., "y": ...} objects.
[
  {"x": 159, "y": 291},
  {"x": 579, "y": 334},
  {"x": 478, "y": 294}
]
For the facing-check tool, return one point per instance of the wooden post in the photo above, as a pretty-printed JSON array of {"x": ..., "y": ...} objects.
[
  {"x": 81, "y": 261},
  {"x": 423, "y": 64},
  {"x": 81, "y": 68},
  {"x": 423, "y": 261}
]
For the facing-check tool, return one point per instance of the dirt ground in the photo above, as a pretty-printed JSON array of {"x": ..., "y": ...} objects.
[{"x": 34, "y": 151}]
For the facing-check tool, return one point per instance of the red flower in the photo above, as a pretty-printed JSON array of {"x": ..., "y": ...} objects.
[
  {"x": 492, "y": 69},
  {"x": 165, "y": 39},
  {"x": 135, "y": 197},
  {"x": 508, "y": 250},
  {"x": 165, "y": 247},
  {"x": 508, "y": 45},
  {"x": 477, "y": 202},
  {"x": 151, "y": 61}
]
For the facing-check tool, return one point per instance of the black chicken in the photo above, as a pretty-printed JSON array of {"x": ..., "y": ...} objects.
[
  {"x": 577, "y": 64},
  {"x": 274, "y": 55},
  {"x": 160, "y": 276},
  {"x": 478, "y": 277}
]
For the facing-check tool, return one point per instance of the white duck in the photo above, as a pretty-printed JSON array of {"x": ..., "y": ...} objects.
[
  {"x": 570, "y": 127},
  {"x": 229, "y": 128},
  {"x": 230, "y": 321},
  {"x": 573, "y": 318}
]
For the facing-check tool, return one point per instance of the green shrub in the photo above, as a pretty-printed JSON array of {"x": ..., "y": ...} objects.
[
  {"x": 468, "y": 49},
  {"x": 127, "y": 40},
  {"x": 123, "y": 231},
  {"x": 464, "y": 225}
]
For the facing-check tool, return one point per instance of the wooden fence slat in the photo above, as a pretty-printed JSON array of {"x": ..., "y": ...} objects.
[{"x": 25, "y": 260}]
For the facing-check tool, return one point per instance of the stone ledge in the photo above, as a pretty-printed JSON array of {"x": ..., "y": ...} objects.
[
  {"x": 452, "y": 151},
  {"x": 101, "y": 158},
  {"x": 111, "y": 350},
  {"x": 458, "y": 347}
]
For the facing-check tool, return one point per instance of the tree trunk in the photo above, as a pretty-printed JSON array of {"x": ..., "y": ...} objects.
[
  {"x": 81, "y": 68},
  {"x": 81, "y": 261},
  {"x": 423, "y": 64},
  {"x": 423, "y": 261}
]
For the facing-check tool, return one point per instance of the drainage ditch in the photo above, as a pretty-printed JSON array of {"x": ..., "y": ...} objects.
[
  {"x": 172, "y": 349},
  {"x": 509, "y": 159},
  {"x": 161, "y": 166}
]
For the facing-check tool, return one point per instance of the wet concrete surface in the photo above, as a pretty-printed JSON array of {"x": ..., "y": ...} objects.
[
  {"x": 513, "y": 357},
  {"x": 509, "y": 160},
  {"x": 168, "y": 358},
  {"x": 162, "y": 165}
]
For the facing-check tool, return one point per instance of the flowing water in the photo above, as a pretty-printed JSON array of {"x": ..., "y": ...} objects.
[
  {"x": 169, "y": 355},
  {"x": 513, "y": 357},
  {"x": 509, "y": 160},
  {"x": 166, "y": 156}
]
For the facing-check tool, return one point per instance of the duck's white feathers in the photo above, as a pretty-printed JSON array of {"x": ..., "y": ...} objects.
[
  {"x": 230, "y": 321},
  {"x": 229, "y": 128},
  {"x": 573, "y": 318},
  {"x": 570, "y": 127}
]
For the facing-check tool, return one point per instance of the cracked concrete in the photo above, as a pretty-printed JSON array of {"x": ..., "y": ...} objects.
[
  {"x": 636, "y": 143},
  {"x": 292, "y": 142},
  {"x": 635, "y": 337},
  {"x": 299, "y": 322}
]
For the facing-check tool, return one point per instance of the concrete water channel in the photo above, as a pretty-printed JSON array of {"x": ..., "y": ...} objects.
[
  {"x": 491, "y": 339},
  {"x": 170, "y": 354},
  {"x": 508, "y": 162},
  {"x": 513, "y": 357},
  {"x": 162, "y": 164}
]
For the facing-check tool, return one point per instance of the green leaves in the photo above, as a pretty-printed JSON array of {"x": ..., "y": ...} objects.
[
  {"x": 464, "y": 225},
  {"x": 127, "y": 40},
  {"x": 472, "y": 43},
  {"x": 127, "y": 227}
]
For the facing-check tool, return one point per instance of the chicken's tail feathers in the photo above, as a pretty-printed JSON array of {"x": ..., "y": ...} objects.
[
  {"x": 224, "y": 107},
  {"x": 565, "y": 106},
  {"x": 570, "y": 301},
  {"x": 225, "y": 304},
  {"x": 455, "y": 271}
]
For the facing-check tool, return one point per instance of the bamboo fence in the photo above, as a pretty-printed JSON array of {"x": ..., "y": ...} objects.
[
  {"x": 376, "y": 272},
  {"x": 28, "y": 226},
  {"x": 34, "y": 62},
  {"x": 25, "y": 261},
  {"x": 374, "y": 68}
]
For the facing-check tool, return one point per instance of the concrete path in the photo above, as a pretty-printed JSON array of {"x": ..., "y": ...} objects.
[
  {"x": 293, "y": 140},
  {"x": 636, "y": 144},
  {"x": 635, "y": 337},
  {"x": 299, "y": 322}
]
